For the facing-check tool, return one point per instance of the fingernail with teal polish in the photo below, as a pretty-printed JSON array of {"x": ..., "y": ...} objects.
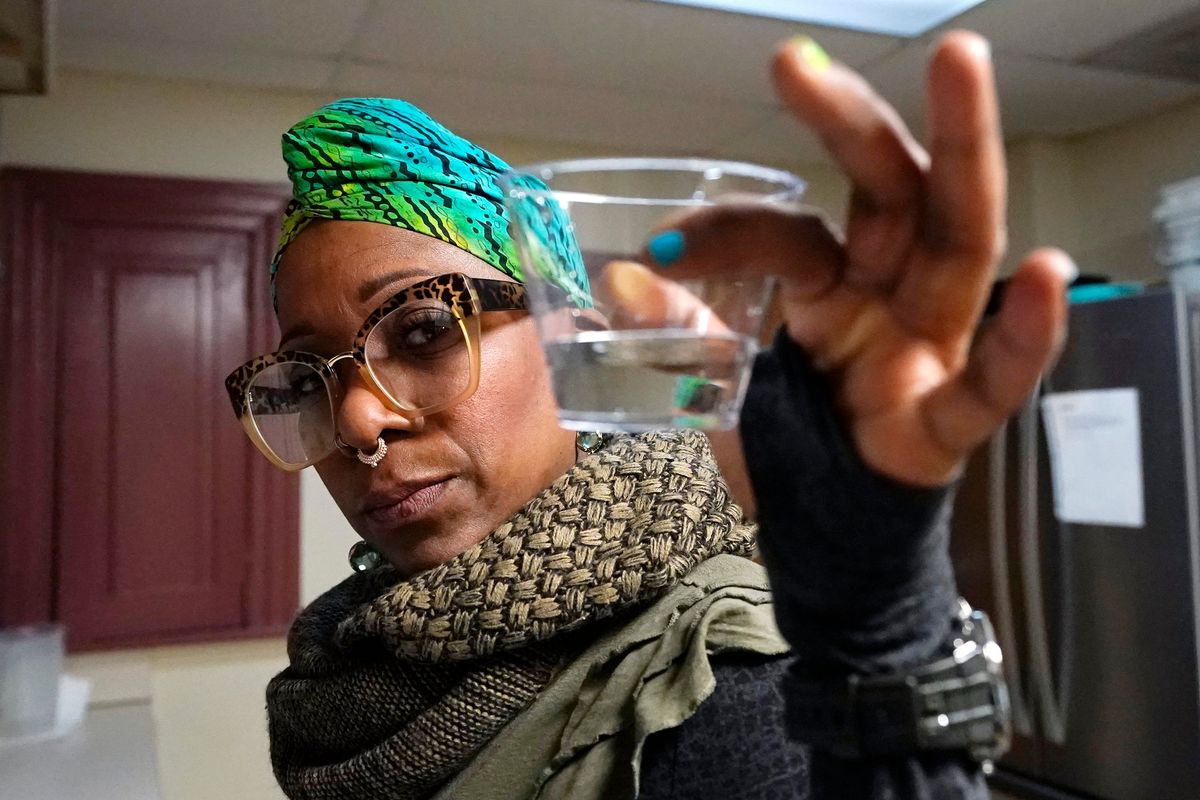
[{"x": 666, "y": 247}]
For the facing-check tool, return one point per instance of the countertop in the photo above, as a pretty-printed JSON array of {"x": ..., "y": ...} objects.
[{"x": 110, "y": 756}]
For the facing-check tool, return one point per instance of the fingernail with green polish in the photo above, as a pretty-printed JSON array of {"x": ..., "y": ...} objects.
[
  {"x": 666, "y": 247},
  {"x": 812, "y": 54}
]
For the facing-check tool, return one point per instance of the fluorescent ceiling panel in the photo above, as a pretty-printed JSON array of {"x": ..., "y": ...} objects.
[{"x": 887, "y": 17}]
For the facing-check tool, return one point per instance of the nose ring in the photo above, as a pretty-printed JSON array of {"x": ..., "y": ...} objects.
[{"x": 371, "y": 460}]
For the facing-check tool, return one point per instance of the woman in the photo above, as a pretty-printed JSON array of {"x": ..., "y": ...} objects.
[{"x": 540, "y": 615}]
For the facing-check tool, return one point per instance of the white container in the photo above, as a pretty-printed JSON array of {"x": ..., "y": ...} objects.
[
  {"x": 31, "y": 659},
  {"x": 1177, "y": 226},
  {"x": 1186, "y": 278},
  {"x": 1186, "y": 192}
]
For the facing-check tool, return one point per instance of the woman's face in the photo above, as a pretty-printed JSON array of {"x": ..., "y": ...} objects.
[{"x": 452, "y": 477}]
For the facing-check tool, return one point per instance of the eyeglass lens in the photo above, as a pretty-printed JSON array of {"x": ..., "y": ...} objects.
[
  {"x": 419, "y": 356},
  {"x": 291, "y": 407}
]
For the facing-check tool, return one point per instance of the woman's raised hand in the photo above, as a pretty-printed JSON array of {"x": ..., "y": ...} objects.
[{"x": 891, "y": 311}]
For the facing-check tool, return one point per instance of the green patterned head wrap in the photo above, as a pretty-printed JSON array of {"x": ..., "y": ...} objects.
[{"x": 376, "y": 159}]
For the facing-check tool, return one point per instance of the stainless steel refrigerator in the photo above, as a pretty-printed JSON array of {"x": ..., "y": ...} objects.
[{"x": 1094, "y": 598}]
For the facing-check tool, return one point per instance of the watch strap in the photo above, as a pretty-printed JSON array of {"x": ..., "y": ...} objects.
[{"x": 958, "y": 702}]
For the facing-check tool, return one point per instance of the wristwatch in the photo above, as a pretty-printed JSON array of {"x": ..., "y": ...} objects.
[{"x": 959, "y": 702}]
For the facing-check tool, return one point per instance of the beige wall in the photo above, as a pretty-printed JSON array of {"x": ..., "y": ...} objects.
[
  {"x": 325, "y": 538},
  {"x": 1095, "y": 194},
  {"x": 1117, "y": 175},
  {"x": 1040, "y": 198},
  {"x": 109, "y": 124}
]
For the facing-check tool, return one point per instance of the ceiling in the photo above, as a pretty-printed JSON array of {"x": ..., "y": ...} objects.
[{"x": 616, "y": 75}]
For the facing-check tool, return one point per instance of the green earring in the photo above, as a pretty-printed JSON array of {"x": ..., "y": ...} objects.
[
  {"x": 590, "y": 442},
  {"x": 363, "y": 557}
]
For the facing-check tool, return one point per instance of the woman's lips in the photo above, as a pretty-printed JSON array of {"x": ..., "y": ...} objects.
[{"x": 390, "y": 514}]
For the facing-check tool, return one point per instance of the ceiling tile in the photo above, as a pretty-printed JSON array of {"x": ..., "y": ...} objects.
[
  {"x": 299, "y": 27},
  {"x": 776, "y": 139},
  {"x": 1064, "y": 29},
  {"x": 1036, "y": 96},
  {"x": 192, "y": 62},
  {"x": 627, "y": 73},
  {"x": 617, "y": 120},
  {"x": 1055, "y": 99},
  {"x": 613, "y": 44}
]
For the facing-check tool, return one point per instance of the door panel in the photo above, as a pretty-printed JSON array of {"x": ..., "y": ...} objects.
[
  {"x": 142, "y": 348},
  {"x": 162, "y": 522}
]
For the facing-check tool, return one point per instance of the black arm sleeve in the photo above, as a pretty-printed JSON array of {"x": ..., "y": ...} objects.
[
  {"x": 859, "y": 565},
  {"x": 734, "y": 746}
]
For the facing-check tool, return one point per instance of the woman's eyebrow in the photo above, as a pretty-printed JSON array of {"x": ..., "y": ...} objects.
[{"x": 368, "y": 289}]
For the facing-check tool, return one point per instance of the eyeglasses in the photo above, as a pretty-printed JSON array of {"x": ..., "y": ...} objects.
[{"x": 418, "y": 352}]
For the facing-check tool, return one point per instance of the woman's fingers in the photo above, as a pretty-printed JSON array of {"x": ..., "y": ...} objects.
[
  {"x": 798, "y": 246},
  {"x": 962, "y": 236},
  {"x": 860, "y": 130},
  {"x": 1008, "y": 358},
  {"x": 750, "y": 239},
  {"x": 637, "y": 298},
  {"x": 870, "y": 142},
  {"x": 966, "y": 172}
]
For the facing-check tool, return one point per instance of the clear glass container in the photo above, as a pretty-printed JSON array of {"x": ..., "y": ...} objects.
[{"x": 629, "y": 346}]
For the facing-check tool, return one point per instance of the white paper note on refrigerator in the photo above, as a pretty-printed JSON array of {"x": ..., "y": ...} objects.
[{"x": 1095, "y": 442}]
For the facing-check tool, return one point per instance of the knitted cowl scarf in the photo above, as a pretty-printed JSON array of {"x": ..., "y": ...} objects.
[{"x": 394, "y": 684}]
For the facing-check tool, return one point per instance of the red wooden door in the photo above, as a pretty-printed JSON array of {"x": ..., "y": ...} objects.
[{"x": 158, "y": 521}]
